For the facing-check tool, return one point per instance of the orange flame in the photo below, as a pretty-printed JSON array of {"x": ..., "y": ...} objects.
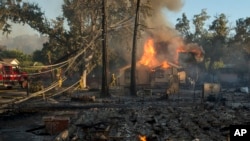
[
  {"x": 142, "y": 138},
  {"x": 193, "y": 48},
  {"x": 148, "y": 58},
  {"x": 165, "y": 65}
]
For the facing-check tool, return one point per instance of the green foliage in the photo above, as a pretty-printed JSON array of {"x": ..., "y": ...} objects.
[
  {"x": 183, "y": 26},
  {"x": 26, "y": 63},
  {"x": 84, "y": 21},
  {"x": 242, "y": 35},
  {"x": 207, "y": 63},
  {"x": 199, "y": 22},
  {"x": 218, "y": 64},
  {"x": 20, "y": 12},
  {"x": 215, "y": 65},
  {"x": 219, "y": 27},
  {"x": 221, "y": 47},
  {"x": 24, "y": 59},
  {"x": 39, "y": 56}
]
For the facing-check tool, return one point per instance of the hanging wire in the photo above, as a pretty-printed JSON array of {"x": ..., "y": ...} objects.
[
  {"x": 47, "y": 71},
  {"x": 64, "y": 90},
  {"x": 53, "y": 65},
  {"x": 70, "y": 62}
]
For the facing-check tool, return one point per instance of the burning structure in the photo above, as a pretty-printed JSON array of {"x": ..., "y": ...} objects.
[{"x": 158, "y": 67}]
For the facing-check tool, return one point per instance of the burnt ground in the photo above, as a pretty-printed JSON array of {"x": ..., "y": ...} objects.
[{"x": 182, "y": 116}]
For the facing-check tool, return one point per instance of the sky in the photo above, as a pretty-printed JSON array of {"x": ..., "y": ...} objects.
[{"x": 232, "y": 8}]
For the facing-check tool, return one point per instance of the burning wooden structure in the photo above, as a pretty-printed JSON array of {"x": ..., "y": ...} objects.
[
  {"x": 143, "y": 75},
  {"x": 155, "y": 78},
  {"x": 158, "y": 66}
]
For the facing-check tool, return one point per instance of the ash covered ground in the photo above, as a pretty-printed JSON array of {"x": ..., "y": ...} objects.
[{"x": 183, "y": 116}]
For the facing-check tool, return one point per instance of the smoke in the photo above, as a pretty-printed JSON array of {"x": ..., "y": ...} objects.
[
  {"x": 159, "y": 28},
  {"x": 196, "y": 50},
  {"x": 25, "y": 43},
  {"x": 157, "y": 22},
  {"x": 168, "y": 42},
  {"x": 173, "y": 5}
]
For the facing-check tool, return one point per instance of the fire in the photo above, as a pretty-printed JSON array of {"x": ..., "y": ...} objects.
[
  {"x": 142, "y": 138},
  {"x": 148, "y": 58},
  {"x": 165, "y": 65},
  {"x": 193, "y": 48},
  {"x": 168, "y": 53}
]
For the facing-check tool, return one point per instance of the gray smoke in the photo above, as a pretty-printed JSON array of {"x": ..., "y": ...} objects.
[
  {"x": 158, "y": 23},
  {"x": 25, "y": 43},
  {"x": 159, "y": 28}
]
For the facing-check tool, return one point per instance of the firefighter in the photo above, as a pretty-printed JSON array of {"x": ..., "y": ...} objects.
[
  {"x": 81, "y": 83},
  {"x": 59, "y": 77},
  {"x": 58, "y": 73},
  {"x": 60, "y": 82},
  {"x": 113, "y": 80}
]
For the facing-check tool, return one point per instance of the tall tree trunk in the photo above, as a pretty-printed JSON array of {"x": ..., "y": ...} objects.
[
  {"x": 105, "y": 89},
  {"x": 133, "y": 61}
]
